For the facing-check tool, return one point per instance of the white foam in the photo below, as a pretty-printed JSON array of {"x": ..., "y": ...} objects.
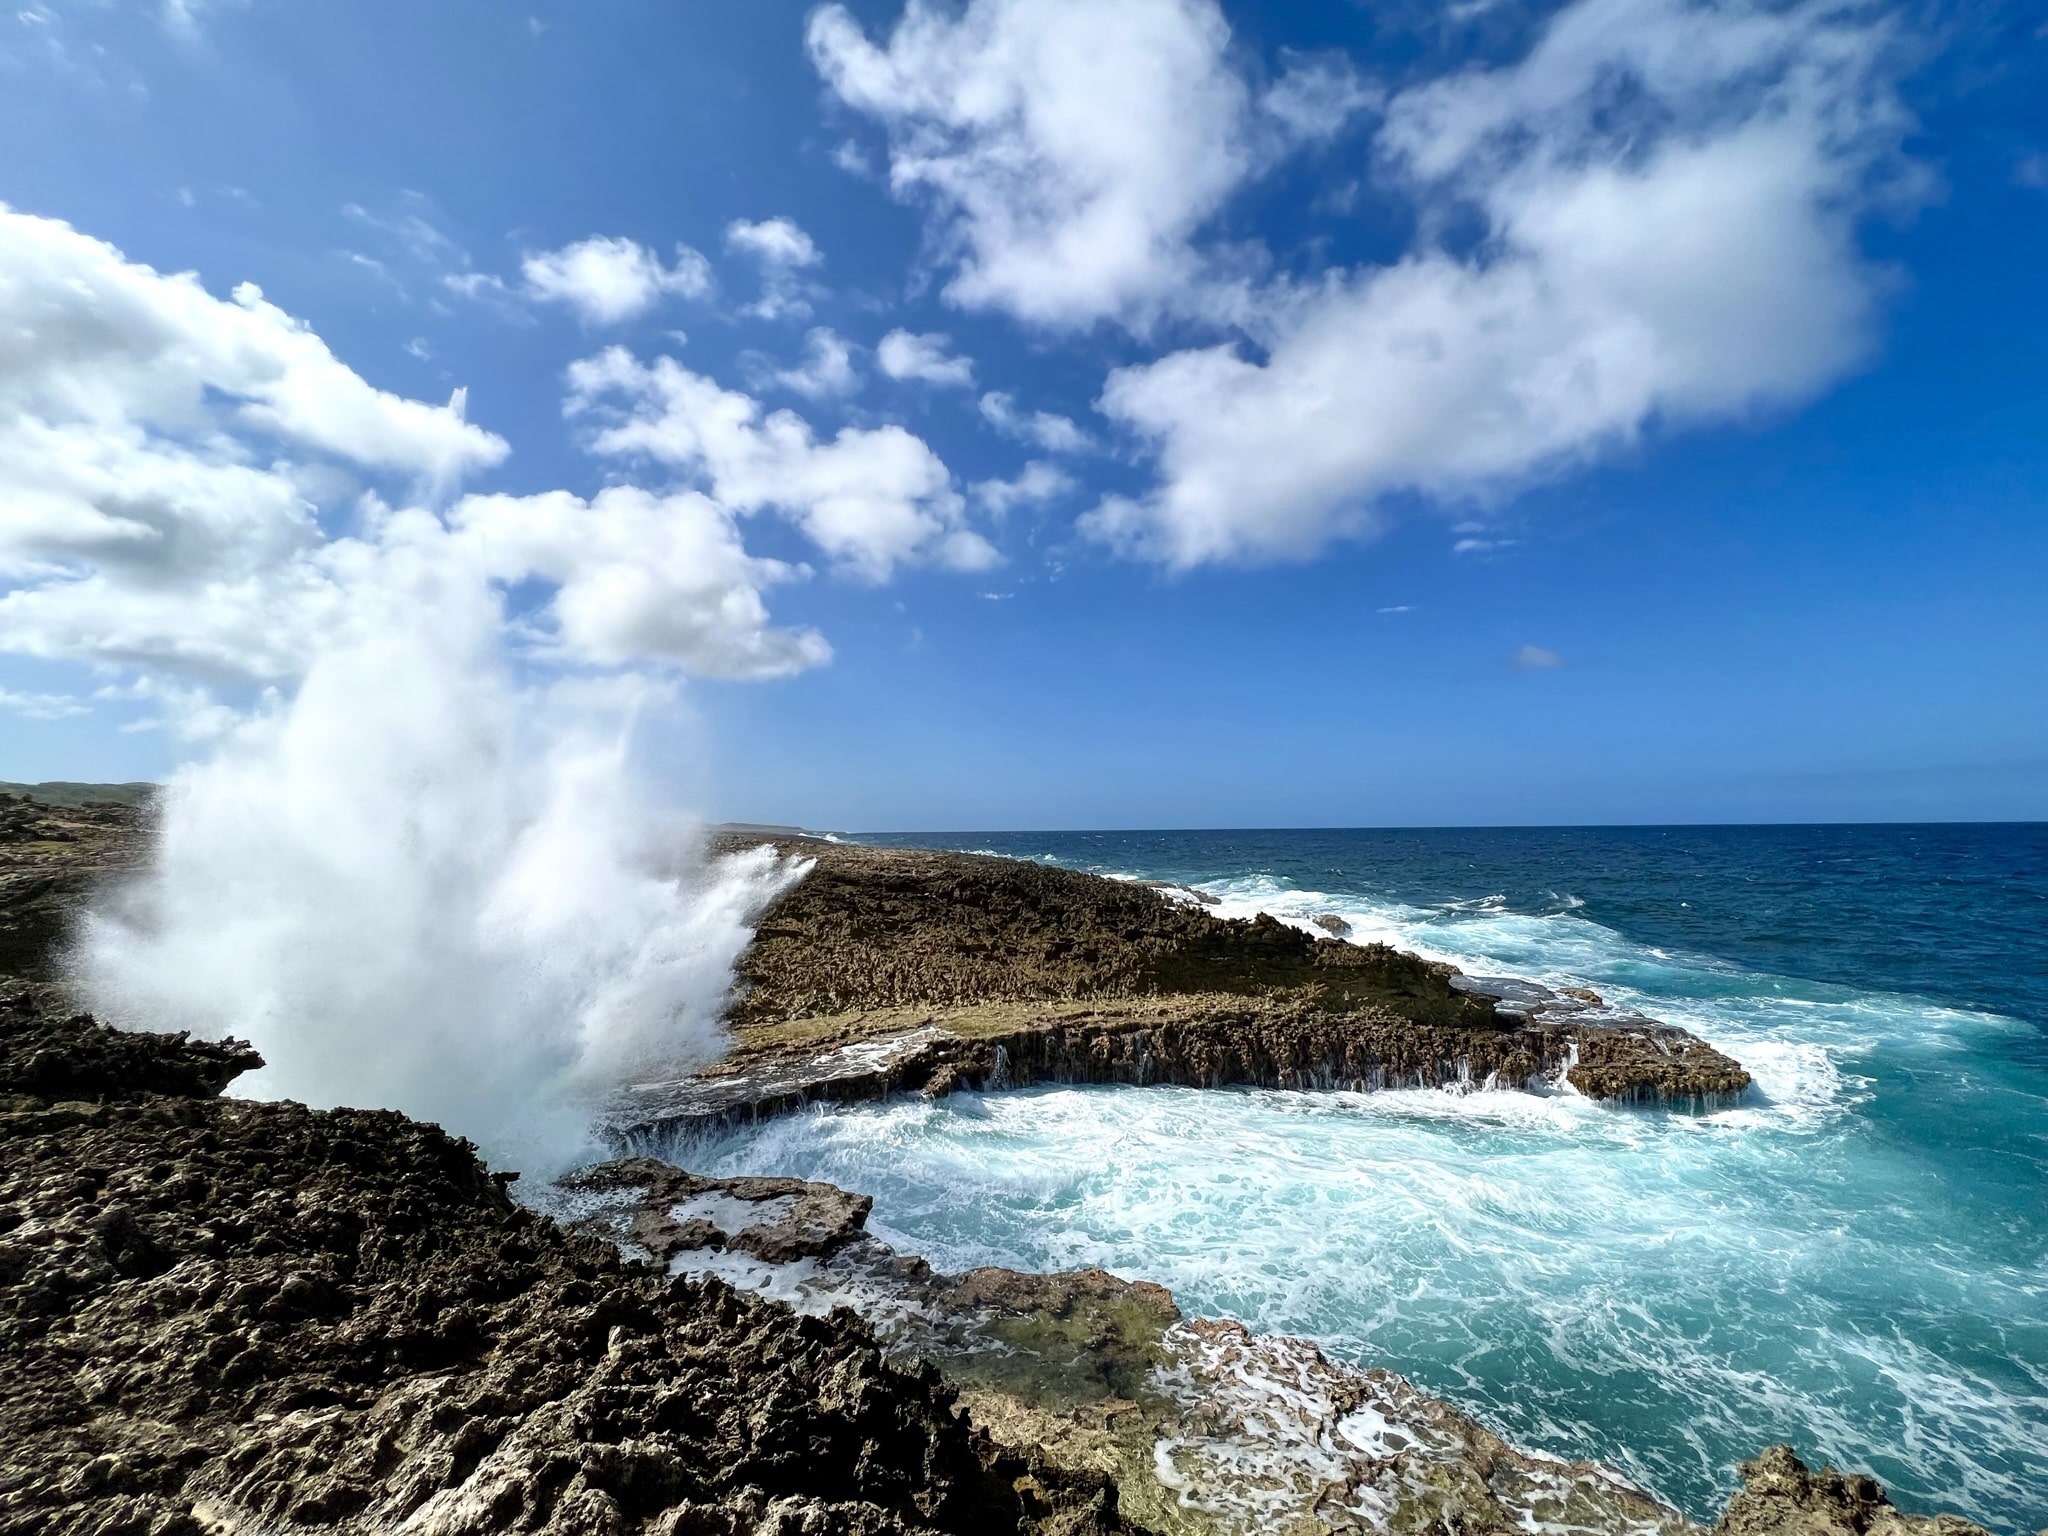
[{"x": 416, "y": 885}]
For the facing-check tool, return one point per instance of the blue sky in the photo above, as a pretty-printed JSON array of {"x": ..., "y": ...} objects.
[{"x": 1625, "y": 411}]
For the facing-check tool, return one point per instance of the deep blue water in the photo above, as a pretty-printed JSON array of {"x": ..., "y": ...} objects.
[{"x": 1855, "y": 1261}]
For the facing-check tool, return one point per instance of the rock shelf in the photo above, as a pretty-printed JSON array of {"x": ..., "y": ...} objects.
[{"x": 893, "y": 970}]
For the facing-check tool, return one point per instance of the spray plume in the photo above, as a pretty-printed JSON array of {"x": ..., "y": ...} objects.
[{"x": 415, "y": 885}]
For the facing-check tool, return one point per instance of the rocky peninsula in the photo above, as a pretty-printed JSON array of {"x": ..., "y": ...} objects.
[
  {"x": 889, "y": 969},
  {"x": 224, "y": 1316}
]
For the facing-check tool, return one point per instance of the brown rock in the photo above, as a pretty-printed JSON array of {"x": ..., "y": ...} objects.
[
  {"x": 1781, "y": 1497},
  {"x": 220, "y": 1314}
]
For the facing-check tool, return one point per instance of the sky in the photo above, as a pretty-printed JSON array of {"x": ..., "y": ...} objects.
[{"x": 1057, "y": 413}]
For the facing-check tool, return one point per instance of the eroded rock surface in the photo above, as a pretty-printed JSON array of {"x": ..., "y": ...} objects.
[
  {"x": 888, "y": 970},
  {"x": 1206, "y": 1428},
  {"x": 1780, "y": 1496},
  {"x": 233, "y": 1316}
]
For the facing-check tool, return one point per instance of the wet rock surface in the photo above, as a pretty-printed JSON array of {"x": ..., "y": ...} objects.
[
  {"x": 1204, "y": 1426},
  {"x": 233, "y": 1316}
]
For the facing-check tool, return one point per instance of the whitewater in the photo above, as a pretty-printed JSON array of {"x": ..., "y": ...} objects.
[{"x": 1854, "y": 1260}]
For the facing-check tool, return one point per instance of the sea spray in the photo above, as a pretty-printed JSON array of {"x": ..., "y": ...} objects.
[{"x": 418, "y": 885}]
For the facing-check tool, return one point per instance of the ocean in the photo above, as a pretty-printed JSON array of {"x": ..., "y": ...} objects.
[{"x": 1854, "y": 1260}]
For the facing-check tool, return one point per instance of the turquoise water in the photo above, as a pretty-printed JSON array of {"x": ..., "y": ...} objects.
[{"x": 1856, "y": 1261}]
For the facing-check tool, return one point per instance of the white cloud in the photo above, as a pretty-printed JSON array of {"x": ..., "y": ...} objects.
[
  {"x": 1669, "y": 194},
  {"x": 1535, "y": 658},
  {"x": 183, "y": 16},
  {"x": 413, "y": 231},
  {"x": 42, "y": 706},
  {"x": 639, "y": 575},
  {"x": 783, "y": 251},
  {"x": 1037, "y": 483},
  {"x": 870, "y": 498},
  {"x": 166, "y": 460},
  {"x": 162, "y": 452},
  {"x": 186, "y": 711},
  {"x": 1068, "y": 148},
  {"x": 606, "y": 279},
  {"x": 774, "y": 242},
  {"x": 827, "y": 369},
  {"x": 905, "y": 355},
  {"x": 1318, "y": 96},
  {"x": 1053, "y": 433}
]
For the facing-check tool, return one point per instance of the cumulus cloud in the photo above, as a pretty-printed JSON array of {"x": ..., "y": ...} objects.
[
  {"x": 186, "y": 710},
  {"x": 1068, "y": 148},
  {"x": 1053, "y": 433},
  {"x": 826, "y": 370},
  {"x": 774, "y": 242},
  {"x": 1037, "y": 483},
  {"x": 906, "y": 355},
  {"x": 870, "y": 498},
  {"x": 162, "y": 452},
  {"x": 606, "y": 279},
  {"x": 783, "y": 252},
  {"x": 170, "y": 460},
  {"x": 1669, "y": 194},
  {"x": 640, "y": 575}
]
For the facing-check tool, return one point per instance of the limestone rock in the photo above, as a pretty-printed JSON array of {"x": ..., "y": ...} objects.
[
  {"x": 227, "y": 1315},
  {"x": 1781, "y": 1497}
]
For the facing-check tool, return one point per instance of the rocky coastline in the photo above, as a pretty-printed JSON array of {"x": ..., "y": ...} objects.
[
  {"x": 228, "y": 1316},
  {"x": 892, "y": 970}
]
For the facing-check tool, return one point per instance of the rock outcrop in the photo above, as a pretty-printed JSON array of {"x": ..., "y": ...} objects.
[
  {"x": 1780, "y": 1496},
  {"x": 234, "y": 1316},
  {"x": 222, "y": 1317},
  {"x": 51, "y": 857},
  {"x": 888, "y": 970},
  {"x": 1205, "y": 1427}
]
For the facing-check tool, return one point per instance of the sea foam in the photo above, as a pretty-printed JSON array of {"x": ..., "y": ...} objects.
[{"x": 1665, "y": 1292}]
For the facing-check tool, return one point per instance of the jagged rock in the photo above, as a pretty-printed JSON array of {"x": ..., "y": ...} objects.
[
  {"x": 72, "y": 1057},
  {"x": 895, "y": 969},
  {"x": 1781, "y": 1497},
  {"x": 783, "y": 1220},
  {"x": 1332, "y": 924},
  {"x": 220, "y": 1314},
  {"x": 1655, "y": 1065}
]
